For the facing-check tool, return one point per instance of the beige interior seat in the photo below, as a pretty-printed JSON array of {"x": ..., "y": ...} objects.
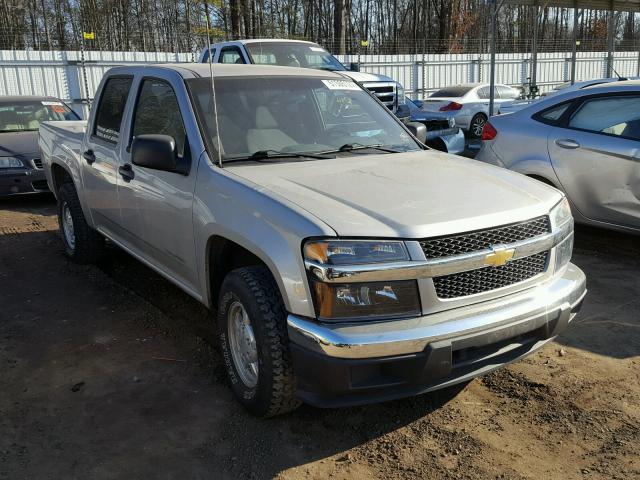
[
  {"x": 39, "y": 116},
  {"x": 267, "y": 135}
]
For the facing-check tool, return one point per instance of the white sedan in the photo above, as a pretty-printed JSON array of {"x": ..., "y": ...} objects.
[{"x": 470, "y": 101}]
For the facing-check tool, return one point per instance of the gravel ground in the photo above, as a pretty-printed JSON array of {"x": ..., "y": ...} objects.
[{"x": 108, "y": 372}]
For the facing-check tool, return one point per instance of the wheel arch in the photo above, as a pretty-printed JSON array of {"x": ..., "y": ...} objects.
[
  {"x": 224, "y": 255},
  {"x": 59, "y": 176}
]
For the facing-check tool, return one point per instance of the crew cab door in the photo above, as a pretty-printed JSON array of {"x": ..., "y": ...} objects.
[
  {"x": 101, "y": 153},
  {"x": 156, "y": 205},
  {"x": 595, "y": 152}
]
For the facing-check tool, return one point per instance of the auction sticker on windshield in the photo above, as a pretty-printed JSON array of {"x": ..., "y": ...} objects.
[{"x": 340, "y": 85}]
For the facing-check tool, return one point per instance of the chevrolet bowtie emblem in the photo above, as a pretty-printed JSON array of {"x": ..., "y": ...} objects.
[{"x": 500, "y": 256}]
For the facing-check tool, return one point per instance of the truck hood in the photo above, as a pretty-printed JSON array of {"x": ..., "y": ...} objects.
[
  {"x": 363, "y": 77},
  {"x": 406, "y": 195},
  {"x": 19, "y": 144}
]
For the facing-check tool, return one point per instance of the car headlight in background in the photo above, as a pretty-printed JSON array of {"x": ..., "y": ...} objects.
[
  {"x": 400, "y": 94},
  {"x": 11, "y": 162},
  {"x": 362, "y": 300},
  {"x": 562, "y": 221}
]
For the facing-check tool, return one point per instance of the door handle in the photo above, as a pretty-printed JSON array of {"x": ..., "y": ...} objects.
[
  {"x": 89, "y": 156},
  {"x": 567, "y": 143},
  {"x": 126, "y": 172}
]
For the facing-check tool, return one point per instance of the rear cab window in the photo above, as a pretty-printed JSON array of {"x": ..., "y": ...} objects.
[{"x": 111, "y": 108}]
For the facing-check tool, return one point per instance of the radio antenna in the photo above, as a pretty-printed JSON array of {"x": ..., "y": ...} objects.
[{"x": 213, "y": 95}]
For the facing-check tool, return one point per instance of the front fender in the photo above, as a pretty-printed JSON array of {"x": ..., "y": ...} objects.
[{"x": 269, "y": 226}]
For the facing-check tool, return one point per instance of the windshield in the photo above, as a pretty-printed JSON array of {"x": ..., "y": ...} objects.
[
  {"x": 26, "y": 115},
  {"x": 293, "y": 54},
  {"x": 451, "y": 92},
  {"x": 294, "y": 115}
]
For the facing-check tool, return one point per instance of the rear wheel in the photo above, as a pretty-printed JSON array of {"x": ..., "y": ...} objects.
[
  {"x": 82, "y": 244},
  {"x": 477, "y": 125},
  {"x": 253, "y": 337}
]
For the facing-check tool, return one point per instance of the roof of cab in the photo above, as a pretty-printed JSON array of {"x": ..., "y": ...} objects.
[
  {"x": 614, "y": 84},
  {"x": 279, "y": 40},
  {"x": 232, "y": 70}
]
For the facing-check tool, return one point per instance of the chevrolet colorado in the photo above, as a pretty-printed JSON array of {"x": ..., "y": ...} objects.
[{"x": 345, "y": 261}]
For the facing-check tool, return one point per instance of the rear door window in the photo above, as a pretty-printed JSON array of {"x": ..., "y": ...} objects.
[
  {"x": 111, "y": 108},
  {"x": 619, "y": 116}
]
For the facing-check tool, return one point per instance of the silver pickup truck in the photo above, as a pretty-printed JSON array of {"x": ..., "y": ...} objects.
[{"x": 345, "y": 261}]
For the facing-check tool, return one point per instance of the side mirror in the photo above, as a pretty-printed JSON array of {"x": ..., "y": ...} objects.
[
  {"x": 354, "y": 67},
  {"x": 155, "y": 151},
  {"x": 418, "y": 103},
  {"x": 418, "y": 130}
]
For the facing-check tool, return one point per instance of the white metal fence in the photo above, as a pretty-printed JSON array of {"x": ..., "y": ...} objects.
[{"x": 59, "y": 73}]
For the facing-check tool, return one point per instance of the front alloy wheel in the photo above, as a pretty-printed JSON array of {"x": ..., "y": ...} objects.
[{"x": 252, "y": 328}]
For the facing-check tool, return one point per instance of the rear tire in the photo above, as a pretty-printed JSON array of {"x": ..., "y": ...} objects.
[
  {"x": 477, "y": 125},
  {"x": 255, "y": 346},
  {"x": 82, "y": 244}
]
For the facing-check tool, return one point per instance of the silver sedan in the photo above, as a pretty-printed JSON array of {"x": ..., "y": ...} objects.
[
  {"x": 585, "y": 142},
  {"x": 469, "y": 103}
]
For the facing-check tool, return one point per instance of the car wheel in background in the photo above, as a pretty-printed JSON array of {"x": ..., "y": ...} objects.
[
  {"x": 252, "y": 330},
  {"x": 477, "y": 125},
  {"x": 81, "y": 243}
]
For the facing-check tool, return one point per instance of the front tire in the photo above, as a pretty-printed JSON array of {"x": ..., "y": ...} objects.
[
  {"x": 477, "y": 125},
  {"x": 252, "y": 332},
  {"x": 82, "y": 244}
]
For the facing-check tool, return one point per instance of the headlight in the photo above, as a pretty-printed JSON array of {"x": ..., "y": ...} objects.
[
  {"x": 400, "y": 94},
  {"x": 354, "y": 252},
  {"x": 560, "y": 214},
  {"x": 11, "y": 162},
  {"x": 562, "y": 222},
  {"x": 364, "y": 300}
]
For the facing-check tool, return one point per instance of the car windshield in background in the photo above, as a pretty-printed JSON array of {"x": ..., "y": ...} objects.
[
  {"x": 293, "y": 54},
  {"x": 294, "y": 115},
  {"x": 17, "y": 116},
  {"x": 451, "y": 92}
]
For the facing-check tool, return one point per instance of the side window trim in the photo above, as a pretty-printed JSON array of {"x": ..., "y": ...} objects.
[
  {"x": 134, "y": 110},
  {"x": 562, "y": 119},
  {"x": 94, "y": 125}
]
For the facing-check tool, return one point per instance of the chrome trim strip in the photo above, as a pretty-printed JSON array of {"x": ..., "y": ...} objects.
[
  {"x": 436, "y": 267},
  {"x": 514, "y": 314}
]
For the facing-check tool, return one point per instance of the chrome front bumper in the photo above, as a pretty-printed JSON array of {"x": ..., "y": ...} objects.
[{"x": 548, "y": 305}]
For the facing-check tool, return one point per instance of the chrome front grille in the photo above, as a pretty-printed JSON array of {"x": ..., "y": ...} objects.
[
  {"x": 37, "y": 163},
  {"x": 490, "y": 278},
  {"x": 436, "y": 125},
  {"x": 480, "y": 240},
  {"x": 487, "y": 278},
  {"x": 386, "y": 92}
]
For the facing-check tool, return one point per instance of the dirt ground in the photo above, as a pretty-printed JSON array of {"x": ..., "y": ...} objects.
[{"x": 108, "y": 372}]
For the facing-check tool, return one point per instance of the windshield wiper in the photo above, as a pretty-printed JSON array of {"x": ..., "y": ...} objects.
[
  {"x": 262, "y": 155},
  {"x": 350, "y": 147}
]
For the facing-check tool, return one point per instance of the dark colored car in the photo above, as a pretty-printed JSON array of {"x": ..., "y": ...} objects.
[{"x": 20, "y": 117}]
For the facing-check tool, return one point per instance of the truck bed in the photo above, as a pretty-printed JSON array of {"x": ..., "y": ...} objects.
[{"x": 62, "y": 140}]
